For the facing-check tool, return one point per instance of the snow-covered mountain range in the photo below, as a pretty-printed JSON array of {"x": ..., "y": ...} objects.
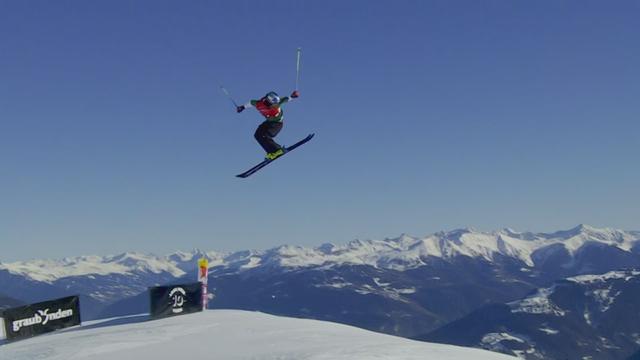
[
  {"x": 402, "y": 253},
  {"x": 581, "y": 317},
  {"x": 407, "y": 286}
]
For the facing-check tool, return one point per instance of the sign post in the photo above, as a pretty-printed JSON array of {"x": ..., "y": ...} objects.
[{"x": 203, "y": 275}]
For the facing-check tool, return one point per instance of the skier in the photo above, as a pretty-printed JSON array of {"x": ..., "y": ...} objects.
[{"x": 270, "y": 107}]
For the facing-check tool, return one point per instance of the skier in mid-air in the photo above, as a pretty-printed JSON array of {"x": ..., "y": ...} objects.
[{"x": 270, "y": 106}]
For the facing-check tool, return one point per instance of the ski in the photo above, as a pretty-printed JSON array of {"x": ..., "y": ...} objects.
[{"x": 267, "y": 161}]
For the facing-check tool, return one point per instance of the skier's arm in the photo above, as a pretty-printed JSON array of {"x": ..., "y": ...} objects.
[
  {"x": 285, "y": 99},
  {"x": 250, "y": 104}
]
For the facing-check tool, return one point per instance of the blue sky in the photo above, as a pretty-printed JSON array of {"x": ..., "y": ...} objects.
[{"x": 429, "y": 115}]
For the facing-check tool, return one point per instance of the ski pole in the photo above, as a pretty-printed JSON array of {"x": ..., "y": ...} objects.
[
  {"x": 226, "y": 92},
  {"x": 299, "y": 51}
]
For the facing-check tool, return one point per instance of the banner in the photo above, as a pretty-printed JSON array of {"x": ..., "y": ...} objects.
[
  {"x": 35, "y": 319},
  {"x": 175, "y": 300}
]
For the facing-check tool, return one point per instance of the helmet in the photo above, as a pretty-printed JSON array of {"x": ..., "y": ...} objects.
[{"x": 272, "y": 98}]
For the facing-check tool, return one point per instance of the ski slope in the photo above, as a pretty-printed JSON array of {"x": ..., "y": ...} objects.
[{"x": 229, "y": 335}]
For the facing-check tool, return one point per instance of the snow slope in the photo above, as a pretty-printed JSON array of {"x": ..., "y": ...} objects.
[{"x": 230, "y": 335}]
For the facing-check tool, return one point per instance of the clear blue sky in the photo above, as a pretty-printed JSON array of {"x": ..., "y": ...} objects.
[{"x": 429, "y": 115}]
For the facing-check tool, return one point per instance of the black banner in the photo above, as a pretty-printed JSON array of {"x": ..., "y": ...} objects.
[
  {"x": 175, "y": 300},
  {"x": 35, "y": 319}
]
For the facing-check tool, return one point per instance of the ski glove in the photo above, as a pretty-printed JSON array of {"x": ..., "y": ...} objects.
[
  {"x": 240, "y": 108},
  {"x": 295, "y": 94}
]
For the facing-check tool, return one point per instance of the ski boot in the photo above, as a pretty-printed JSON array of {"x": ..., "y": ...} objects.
[{"x": 276, "y": 154}]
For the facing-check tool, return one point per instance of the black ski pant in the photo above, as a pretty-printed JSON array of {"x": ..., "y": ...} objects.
[{"x": 265, "y": 134}]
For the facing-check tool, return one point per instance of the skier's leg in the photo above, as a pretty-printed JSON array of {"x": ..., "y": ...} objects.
[
  {"x": 264, "y": 135},
  {"x": 274, "y": 129},
  {"x": 261, "y": 136}
]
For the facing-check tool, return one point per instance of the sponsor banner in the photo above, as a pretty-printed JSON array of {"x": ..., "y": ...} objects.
[
  {"x": 47, "y": 316},
  {"x": 175, "y": 300}
]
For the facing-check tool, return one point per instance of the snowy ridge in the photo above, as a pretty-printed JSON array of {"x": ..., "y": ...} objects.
[
  {"x": 407, "y": 252},
  {"x": 496, "y": 342},
  {"x": 51, "y": 270},
  {"x": 587, "y": 279},
  {"x": 176, "y": 265},
  {"x": 404, "y": 252},
  {"x": 599, "y": 288},
  {"x": 230, "y": 335},
  {"x": 538, "y": 303}
]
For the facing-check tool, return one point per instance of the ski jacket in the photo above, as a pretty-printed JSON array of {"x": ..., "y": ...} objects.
[{"x": 271, "y": 113}]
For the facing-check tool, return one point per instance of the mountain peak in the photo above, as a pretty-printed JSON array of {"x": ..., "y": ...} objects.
[
  {"x": 581, "y": 229},
  {"x": 327, "y": 248},
  {"x": 454, "y": 233},
  {"x": 516, "y": 234}
]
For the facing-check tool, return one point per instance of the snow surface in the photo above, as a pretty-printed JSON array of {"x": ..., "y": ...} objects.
[
  {"x": 230, "y": 335},
  {"x": 404, "y": 252},
  {"x": 549, "y": 331}
]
